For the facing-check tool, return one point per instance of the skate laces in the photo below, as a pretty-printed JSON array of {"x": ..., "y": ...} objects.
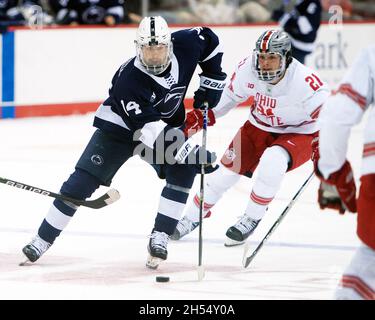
[
  {"x": 159, "y": 239},
  {"x": 40, "y": 245},
  {"x": 246, "y": 224}
]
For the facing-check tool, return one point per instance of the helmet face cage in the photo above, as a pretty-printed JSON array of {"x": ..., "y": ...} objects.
[
  {"x": 153, "y": 35},
  {"x": 272, "y": 42},
  {"x": 268, "y": 75}
]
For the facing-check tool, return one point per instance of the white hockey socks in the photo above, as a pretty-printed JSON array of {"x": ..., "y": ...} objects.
[
  {"x": 58, "y": 219},
  {"x": 270, "y": 172},
  {"x": 215, "y": 186},
  {"x": 358, "y": 279}
]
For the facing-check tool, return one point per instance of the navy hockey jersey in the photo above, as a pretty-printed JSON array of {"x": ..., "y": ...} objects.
[
  {"x": 136, "y": 97},
  {"x": 302, "y": 23}
]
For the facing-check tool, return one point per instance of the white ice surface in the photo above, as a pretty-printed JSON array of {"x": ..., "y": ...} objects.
[{"x": 102, "y": 253}]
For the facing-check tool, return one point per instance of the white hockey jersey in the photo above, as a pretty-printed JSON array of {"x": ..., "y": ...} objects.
[
  {"x": 345, "y": 109},
  {"x": 290, "y": 106}
]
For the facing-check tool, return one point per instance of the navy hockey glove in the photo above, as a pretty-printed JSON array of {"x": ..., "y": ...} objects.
[{"x": 210, "y": 90}]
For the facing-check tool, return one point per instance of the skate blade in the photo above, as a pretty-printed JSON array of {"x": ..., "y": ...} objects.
[
  {"x": 231, "y": 243},
  {"x": 27, "y": 262},
  {"x": 153, "y": 262}
]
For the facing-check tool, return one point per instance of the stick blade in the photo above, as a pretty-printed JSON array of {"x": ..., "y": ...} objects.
[
  {"x": 201, "y": 273},
  {"x": 111, "y": 196},
  {"x": 247, "y": 257}
]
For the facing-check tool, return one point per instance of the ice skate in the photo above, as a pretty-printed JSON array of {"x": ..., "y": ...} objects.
[
  {"x": 238, "y": 233},
  {"x": 35, "y": 249},
  {"x": 184, "y": 227},
  {"x": 157, "y": 249}
]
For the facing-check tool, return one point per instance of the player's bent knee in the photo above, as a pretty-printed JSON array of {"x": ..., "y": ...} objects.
[
  {"x": 181, "y": 175},
  {"x": 274, "y": 161},
  {"x": 221, "y": 180},
  {"x": 80, "y": 185}
]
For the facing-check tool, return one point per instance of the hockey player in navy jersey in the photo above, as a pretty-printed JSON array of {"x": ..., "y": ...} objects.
[
  {"x": 144, "y": 115},
  {"x": 301, "y": 23}
]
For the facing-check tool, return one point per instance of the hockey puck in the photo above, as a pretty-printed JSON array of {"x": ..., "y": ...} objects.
[{"x": 162, "y": 279}]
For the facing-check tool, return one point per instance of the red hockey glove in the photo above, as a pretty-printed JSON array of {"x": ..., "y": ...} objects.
[
  {"x": 194, "y": 121},
  {"x": 338, "y": 192}
]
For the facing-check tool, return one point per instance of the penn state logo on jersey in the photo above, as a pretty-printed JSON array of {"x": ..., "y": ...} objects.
[
  {"x": 97, "y": 159},
  {"x": 172, "y": 101}
]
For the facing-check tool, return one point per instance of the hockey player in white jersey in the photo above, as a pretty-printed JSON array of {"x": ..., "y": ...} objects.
[
  {"x": 337, "y": 190},
  {"x": 276, "y": 138}
]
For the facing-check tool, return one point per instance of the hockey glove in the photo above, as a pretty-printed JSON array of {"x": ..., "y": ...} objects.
[
  {"x": 338, "y": 192},
  {"x": 194, "y": 121},
  {"x": 210, "y": 90},
  {"x": 192, "y": 154}
]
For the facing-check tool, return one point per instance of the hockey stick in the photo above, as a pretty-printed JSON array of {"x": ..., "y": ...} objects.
[
  {"x": 109, "y": 197},
  {"x": 247, "y": 259},
  {"x": 201, "y": 194}
]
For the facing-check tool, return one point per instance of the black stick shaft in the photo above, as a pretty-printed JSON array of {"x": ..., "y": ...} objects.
[{"x": 201, "y": 203}]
